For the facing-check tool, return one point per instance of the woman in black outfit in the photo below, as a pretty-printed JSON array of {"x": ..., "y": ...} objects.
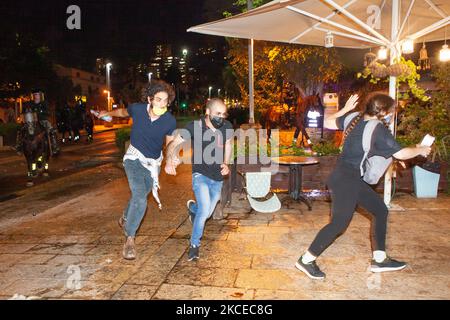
[{"x": 348, "y": 189}]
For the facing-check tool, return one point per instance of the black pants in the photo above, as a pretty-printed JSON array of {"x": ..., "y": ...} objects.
[{"x": 347, "y": 191}]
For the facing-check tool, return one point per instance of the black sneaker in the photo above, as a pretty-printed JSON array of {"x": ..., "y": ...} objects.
[
  {"x": 310, "y": 269},
  {"x": 193, "y": 253},
  {"x": 191, "y": 214},
  {"x": 387, "y": 264}
]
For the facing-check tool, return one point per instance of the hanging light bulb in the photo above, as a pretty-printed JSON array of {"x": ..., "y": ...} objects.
[
  {"x": 424, "y": 61},
  {"x": 329, "y": 40},
  {"x": 382, "y": 53},
  {"x": 444, "y": 54},
  {"x": 408, "y": 46}
]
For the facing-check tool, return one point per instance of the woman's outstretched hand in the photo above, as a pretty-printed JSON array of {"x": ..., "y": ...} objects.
[{"x": 351, "y": 103}]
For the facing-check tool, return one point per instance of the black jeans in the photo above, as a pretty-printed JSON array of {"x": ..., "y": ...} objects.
[{"x": 347, "y": 191}]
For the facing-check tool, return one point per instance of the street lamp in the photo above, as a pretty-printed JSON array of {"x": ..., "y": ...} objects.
[
  {"x": 218, "y": 93},
  {"x": 150, "y": 77},
  {"x": 108, "y": 71},
  {"x": 185, "y": 52},
  {"x": 209, "y": 92},
  {"x": 109, "y": 98}
]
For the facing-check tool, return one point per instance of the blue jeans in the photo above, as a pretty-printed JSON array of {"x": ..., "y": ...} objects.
[
  {"x": 141, "y": 184},
  {"x": 207, "y": 193}
]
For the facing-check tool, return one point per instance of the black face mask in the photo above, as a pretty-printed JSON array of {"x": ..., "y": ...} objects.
[{"x": 217, "y": 122}]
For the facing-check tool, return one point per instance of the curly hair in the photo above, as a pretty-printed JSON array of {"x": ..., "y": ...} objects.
[
  {"x": 157, "y": 86},
  {"x": 376, "y": 103}
]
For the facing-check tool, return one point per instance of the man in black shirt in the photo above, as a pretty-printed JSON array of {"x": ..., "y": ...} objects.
[{"x": 211, "y": 152}]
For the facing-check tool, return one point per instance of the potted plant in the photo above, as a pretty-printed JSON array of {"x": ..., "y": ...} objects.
[{"x": 419, "y": 118}]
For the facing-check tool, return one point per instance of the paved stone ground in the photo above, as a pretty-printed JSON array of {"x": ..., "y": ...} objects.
[{"x": 246, "y": 256}]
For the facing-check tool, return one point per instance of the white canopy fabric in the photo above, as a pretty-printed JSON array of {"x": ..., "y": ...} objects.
[{"x": 353, "y": 23}]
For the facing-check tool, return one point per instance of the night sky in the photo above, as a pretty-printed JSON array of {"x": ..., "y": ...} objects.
[{"x": 115, "y": 29}]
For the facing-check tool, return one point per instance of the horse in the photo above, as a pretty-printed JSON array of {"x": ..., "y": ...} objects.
[
  {"x": 304, "y": 105},
  {"x": 35, "y": 146},
  {"x": 89, "y": 126},
  {"x": 64, "y": 123},
  {"x": 275, "y": 116}
]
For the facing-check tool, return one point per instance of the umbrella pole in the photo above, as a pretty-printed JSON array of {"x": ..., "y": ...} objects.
[
  {"x": 394, "y": 53},
  {"x": 251, "y": 96}
]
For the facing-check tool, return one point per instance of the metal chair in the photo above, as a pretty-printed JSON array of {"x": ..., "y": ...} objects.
[{"x": 259, "y": 194}]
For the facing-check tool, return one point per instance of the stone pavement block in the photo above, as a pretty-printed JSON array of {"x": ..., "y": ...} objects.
[
  {"x": 238, "y": 236},
  {"x": 66, "y": 260},
  {"x": 295, "y": 280},
  {"x": 151, "y": 276},
  {"x": 171, "y": 250},
  {"x": 6, "y": 282},
  {"x": 272, "y": 262},
  {"x": 265, "y": 279},
  {"x": 192, "y": 275},
  {"x": 73, "y": 239},
  {"x": 263, "y": 294},
  {"x": 112, "y": 273},
  {"x": 35, "y": 258},
  {"x": 262, "y": 229},
  {"x": 299, "y": 226},
  {"x": 413, "y": 252},
  {"x": 92, "y": 290},
  {"x": 61, "y": 248},
  {"x": 260, "y": 216},
  {"x": 256, "y": 223},
  {"x": 10, "y": 258},
  {"x": 185, "y": 292},
  {"x": 412, "y": 286},
  {"x": 40, "y": 288},
  {"x": 16, "y": 248},
  {"x": 218, "y": 260},
  {"x": 24, "y": 271},
  {"x": 261, "y": 248},
  {"x": 297, "y": 238},
  {"x": 428, "y": 267},
  {"x": 135, "y": 292},
  {"x": 111, "y": 239},
  {"x": 20, "y": 238}
]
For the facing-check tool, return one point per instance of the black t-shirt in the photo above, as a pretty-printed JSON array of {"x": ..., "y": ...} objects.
[
  {"x": 383, "y": 142},
  {"x": 208, "y": 147}
]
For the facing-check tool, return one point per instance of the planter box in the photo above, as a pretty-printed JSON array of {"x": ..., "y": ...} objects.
[{"x": 425, "y": 183}]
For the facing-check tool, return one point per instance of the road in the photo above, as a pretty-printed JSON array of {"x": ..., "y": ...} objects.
[{"x": 74, "y": 158}]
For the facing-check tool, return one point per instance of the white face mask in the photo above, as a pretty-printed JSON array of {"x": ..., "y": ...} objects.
[{"x": 388, "y": 118}]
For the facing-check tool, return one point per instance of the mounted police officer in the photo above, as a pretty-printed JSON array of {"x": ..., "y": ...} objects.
[{"x": 40, "y": 107}]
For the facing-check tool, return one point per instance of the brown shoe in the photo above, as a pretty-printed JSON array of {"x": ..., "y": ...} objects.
[{"x": 129, "y": 249}]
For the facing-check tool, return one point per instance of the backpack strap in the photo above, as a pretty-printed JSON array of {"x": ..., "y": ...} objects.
[
  {"x": 349, "y": 118},
  {"x": 367, "y": 140}
]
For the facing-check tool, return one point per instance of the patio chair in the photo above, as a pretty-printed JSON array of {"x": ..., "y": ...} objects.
[{"x": 259, "y": 194}]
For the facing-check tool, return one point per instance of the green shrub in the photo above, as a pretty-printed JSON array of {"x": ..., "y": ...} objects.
[
  {"x": 8, "y": 128},
  {"x": 326, "y": 148},
  {"x": 9, "y": 133},
  {"x": 122, "y": 136}
]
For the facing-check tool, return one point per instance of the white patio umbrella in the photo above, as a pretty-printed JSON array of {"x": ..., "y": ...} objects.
[{"x": 361, "y": 24}]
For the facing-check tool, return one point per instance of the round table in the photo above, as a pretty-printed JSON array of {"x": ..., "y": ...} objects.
[{"x": 296, "y": 164}]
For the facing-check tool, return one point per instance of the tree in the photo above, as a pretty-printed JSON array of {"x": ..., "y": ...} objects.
[
  {"x": 433, "y": 116},
  {"x": 307, "y": 66},
  {"x": 25, "y": 65}
]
